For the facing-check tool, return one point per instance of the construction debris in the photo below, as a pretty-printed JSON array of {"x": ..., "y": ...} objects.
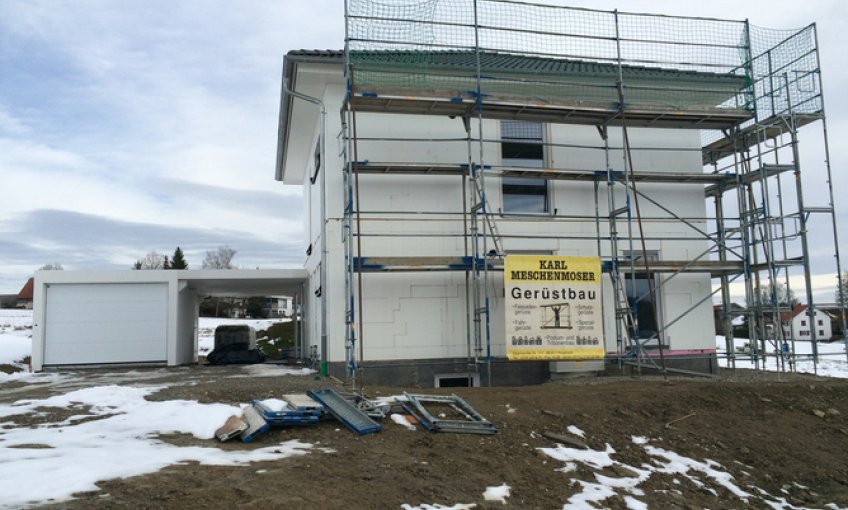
[
  {"x": 231, "y": 428},
  {"x": 344, "y": 411},
  {"x": 356, "y": 412},
  {"x": 287, "y": 414},
  {"x": 255, "y": 424},
  {"x": 467, "y": 420},
  {"x": 372, "y": 409},
  {"x": 563, "y": 439}
]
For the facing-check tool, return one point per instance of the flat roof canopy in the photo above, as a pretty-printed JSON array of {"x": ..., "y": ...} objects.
[
  {"x": 206, "y": 282},
  {"x": 244, "y": 283}
]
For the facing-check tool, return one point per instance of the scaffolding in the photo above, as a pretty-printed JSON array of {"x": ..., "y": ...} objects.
[{"x": 746, "y": 89}]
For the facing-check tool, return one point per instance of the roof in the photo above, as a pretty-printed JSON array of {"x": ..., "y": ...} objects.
[
  {"x": 785, "y": 316},
  {"x": 503, "y": 69},
  {"x": 26, "y": 290},
  {"x": 493, "y": 62},
  {"x": 291, "y": 59}
]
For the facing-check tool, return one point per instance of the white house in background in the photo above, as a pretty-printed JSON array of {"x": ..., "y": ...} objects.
[
  {"x": 278, "y": 306},
  {"x": 415, "y": 324},
  {"x": 798, "y": 325}
]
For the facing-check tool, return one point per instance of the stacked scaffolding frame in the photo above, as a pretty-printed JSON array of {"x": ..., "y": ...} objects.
[{"x": 747, "y": 90}]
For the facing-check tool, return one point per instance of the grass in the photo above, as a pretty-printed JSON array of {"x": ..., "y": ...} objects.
[{"x": 279, "y": 340}]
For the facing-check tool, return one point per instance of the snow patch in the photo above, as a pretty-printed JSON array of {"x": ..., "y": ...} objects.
[
  {"x": 263, "y": 370},
  {"x": 126, "y": 426},
  {"x": 497, "y": 493},
  {"x": 576, "y": 431},
  {"x": 401, "y": 420},
  {"x": 274, "y": 404}
]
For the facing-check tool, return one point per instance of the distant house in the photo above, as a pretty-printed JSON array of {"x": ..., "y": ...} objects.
[
  {"x": 834, "y": 311},
  {"x": 797, "y": 324},
  {"x": 25, "y": 295},
  {"x": 738, "y": 319},
  {"x": 278, "y": 306}
]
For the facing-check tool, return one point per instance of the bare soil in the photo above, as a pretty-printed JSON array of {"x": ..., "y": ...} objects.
[{"x": 785, "y": 434}]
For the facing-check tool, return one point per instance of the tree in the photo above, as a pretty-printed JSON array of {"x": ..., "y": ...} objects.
[
  {"x": 178, "y": 260},
  {"x": 51, "y": 267},
  {"x": 152, "y": 260},
  {"x": 785, "y": 296},
  {"x": 220, "y": 258},
  {"x": 843, "y": 284}
]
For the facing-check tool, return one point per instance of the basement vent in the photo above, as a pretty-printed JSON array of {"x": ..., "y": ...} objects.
[{"x": 469, "y": 380}]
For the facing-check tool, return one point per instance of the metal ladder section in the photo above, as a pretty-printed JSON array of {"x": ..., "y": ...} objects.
[
  {"x": 482, "y": 231},
  {"x": 344, "y": 411},
  {"x": 626, "y": 322}
]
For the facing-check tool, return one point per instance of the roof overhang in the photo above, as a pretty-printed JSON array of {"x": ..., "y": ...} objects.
[{"x": 293, "y": 59}]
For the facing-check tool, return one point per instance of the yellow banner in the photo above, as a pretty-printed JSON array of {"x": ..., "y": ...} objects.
[{"x": 553, "y": 308}]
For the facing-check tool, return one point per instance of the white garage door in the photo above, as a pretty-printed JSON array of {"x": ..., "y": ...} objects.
[{"x": 105, "y": 323}]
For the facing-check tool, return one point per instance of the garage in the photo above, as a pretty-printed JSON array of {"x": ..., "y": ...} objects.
[
  {"x": 93, "y": 318},
  {"x": 106, "y": 323}
]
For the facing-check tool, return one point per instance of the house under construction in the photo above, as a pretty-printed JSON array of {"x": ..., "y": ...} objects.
[{"x": 449, "y": 135}]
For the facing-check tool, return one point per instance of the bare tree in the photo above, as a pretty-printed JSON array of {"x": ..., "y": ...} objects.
[
  {"x": 51, "y": 267},
  {"x": 220, "y": 258},
  {"x": 153, "y": 260},
  {"x": 785, "y": 296}
]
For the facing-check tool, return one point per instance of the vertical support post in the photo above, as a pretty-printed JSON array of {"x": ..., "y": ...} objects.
[
  {"x": 726, "y": 303},
  {"x": 840, "y": 287}
]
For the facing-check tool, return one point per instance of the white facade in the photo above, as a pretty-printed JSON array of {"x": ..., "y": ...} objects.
[
  {"x": 108, "y": 317},
  {"x": 423, "y": 315}
]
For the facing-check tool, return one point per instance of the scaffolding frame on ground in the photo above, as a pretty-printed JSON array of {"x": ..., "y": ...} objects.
[{"x": 748, "y": 90}]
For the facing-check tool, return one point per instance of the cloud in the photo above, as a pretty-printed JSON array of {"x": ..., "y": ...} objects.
[{"x": 85, "y": 241}]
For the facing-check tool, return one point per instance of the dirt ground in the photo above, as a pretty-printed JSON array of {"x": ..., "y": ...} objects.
[{"x": 785, "y": 434}]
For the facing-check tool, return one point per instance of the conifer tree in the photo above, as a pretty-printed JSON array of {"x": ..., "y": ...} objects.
[{"x": 178, "y": 261}]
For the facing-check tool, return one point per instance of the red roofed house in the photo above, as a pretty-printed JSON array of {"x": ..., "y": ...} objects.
[
  {"x": 801, "y": 327},
  {"x": 25, "y": 295}
]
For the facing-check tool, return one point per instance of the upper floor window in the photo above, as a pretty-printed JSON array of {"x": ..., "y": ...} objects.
[
  {"x": 522, "y": 145},
  {"x": 317, "y": 161}
]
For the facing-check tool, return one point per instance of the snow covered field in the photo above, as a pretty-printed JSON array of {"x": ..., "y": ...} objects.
[
  {"x": 15, "y": 335},
  {"x": 832, "y": 360}
]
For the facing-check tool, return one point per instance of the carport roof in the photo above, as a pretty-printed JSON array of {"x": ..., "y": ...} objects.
[
  {"x": 244, "y": 283},
  {"x": 206, "y": 282}
]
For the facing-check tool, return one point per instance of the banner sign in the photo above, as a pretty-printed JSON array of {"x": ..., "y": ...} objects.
[{"x": 553, "y": 308}]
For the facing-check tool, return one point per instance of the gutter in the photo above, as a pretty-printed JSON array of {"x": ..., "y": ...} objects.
[{"x": 290, "y": 61}]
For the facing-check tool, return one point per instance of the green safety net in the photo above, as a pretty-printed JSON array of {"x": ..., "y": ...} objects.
[{"x": 501, "y": 50}]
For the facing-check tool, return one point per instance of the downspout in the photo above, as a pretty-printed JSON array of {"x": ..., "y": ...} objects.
[{"x": 322, "y": 171}]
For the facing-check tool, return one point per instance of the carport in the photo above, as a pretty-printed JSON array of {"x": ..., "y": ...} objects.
[{"x": 136, "y": 317}]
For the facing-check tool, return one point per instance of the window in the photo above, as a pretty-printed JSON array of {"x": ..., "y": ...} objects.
[
  {"x": 803, "y": 323},
  {"x": 821, "y": 323},
  {"x": 821, "y": 333},
  {"x": 317, "y": 162},
  {"x": 637, "y": 288},
  {"x": 522, "y": 146}
]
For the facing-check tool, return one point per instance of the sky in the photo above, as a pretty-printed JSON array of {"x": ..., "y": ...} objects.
[{"x": 127, "y": 127}]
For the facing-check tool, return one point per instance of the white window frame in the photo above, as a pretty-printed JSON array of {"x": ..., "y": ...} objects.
[{"x": 529, "y": 163}]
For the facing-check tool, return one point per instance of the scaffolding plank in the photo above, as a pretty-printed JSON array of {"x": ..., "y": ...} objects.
[
  {"x": 534, "y": 111},
  {"x": 754, "y": 176},
  {"x": 563, "y": 174},
  {"x": 415, "y": 263},
  {"x": 749, "y": 136},
  {"x": 350, "y": 415}
]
